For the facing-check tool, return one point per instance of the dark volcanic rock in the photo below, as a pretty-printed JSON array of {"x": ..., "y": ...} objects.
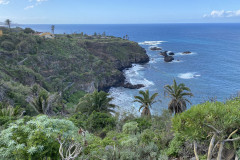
[
  {"x": 155, "y": 48},
  {"x": 187, "y": 52},
  {"x": 164, "y": 53},
  {"x": 168, "y": 58},
  {"x": 171, "y": 54},
  {"x": 131, "y": 86}
]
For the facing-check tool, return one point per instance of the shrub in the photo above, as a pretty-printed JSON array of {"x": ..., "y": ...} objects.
[
  {"x": 27, "y": 46},
  {"x": 7, "y": 45},
  {"x": 130, "y": 128},
  {"x": 98, "y": 121},
  {"x": 214, "y": 120},
  {"x": 147, "y": 136},
  {"x": 35, "y": 139},
  {"x": 143, "y": 123},
  {"x": 28, "y": 30}
]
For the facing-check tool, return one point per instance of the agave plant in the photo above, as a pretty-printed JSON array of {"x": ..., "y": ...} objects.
[
  {"x": 146, "y": 102},
  {"x": 178, "y": 94}
]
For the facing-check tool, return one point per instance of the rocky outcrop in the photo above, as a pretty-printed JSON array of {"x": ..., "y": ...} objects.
[
  {"x": 155, "y": 48},
  {"x": 168, "y": 58},
  {"x": 171, "y": 54},
  {"x": 187, "y": 52},
  {"x": 164, "y": 53},
  {"x": 131, "y": 86}
]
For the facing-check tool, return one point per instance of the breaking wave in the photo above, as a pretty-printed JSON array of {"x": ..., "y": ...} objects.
[{"x": 188, "y": 75}]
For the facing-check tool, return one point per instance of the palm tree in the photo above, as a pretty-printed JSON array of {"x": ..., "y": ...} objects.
[
  {"x": 43, "y": 102},
  {"x": 53, "y": 28},
  {"x": 8, "y": 23},
  {"x": 146, "y": 102},
  {"x": 97, "y": 101},
  {"x": 177, "y": 93}
]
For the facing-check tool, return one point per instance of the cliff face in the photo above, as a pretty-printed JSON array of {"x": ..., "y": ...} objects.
[
  {"x": 121, "y": 55},
  {"x": 67, "y": 64}
]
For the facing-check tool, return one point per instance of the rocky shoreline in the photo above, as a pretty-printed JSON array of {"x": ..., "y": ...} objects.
[{"x": 120, "y": 80}]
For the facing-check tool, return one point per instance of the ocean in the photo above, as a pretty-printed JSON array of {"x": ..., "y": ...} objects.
[{"x": 212, "y": 71}]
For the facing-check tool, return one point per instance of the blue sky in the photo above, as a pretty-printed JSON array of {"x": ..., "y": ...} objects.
[{"x": 119, "y": 11}]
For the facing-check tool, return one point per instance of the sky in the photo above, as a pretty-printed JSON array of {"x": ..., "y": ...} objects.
[{"x": 119, "y": 11}]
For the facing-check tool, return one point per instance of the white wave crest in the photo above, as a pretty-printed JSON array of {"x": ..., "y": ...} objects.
[
  {"x": 155, "y": 60},
  {"x": 188, "y": 75},
  {"x": 134, "y": 77},
  {"x": 121, "y": 98},
  {"x": 182, "y": 54},
  {"x": 151, "y": 43}
]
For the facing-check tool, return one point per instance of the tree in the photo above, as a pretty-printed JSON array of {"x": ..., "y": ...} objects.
[
  {"x": 177, "y": 94},
  {"x": 43, "y": 102},
  {"x": 146, "y": 102},
  {"x": 8, "y": 23},
  {"x": 28, "y": 30},
  {"x": 216, "y": 122},
  {"x": 53, "y": 28},
  {"x": 97, "y": 101}
]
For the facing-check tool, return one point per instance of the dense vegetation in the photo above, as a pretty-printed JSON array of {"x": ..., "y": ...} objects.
[
  {"x": 70, "y": 65},
  {"x": 45, "y": 112}
]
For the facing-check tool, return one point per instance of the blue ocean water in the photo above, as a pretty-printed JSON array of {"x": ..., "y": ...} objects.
[{"x": 212, "y": 70}]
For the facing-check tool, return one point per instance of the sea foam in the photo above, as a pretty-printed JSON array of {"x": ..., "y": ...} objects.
[
  {"x": 134, "y": 77},
  {"x": 182, "y": 54},
  {"x": 151, "y": 43},
  {"x": 188, "y": 75}
]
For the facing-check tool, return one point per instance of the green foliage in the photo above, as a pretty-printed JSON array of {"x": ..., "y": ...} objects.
[
  {"x": 130, "y": 128},
  {"x": 175, "y": 146},
  {"x": 7, "y": 45},
  {"x": 147, "y": 136},
  {"x": 98, "y": 121},
  {"x": 143, "y": 123},
  {"x": 97, "y": 101},
  {"x": 74, "y": 98},
  {"x": 79, "y": 120},
  {"x": 177, "y": 94},
  {"x": 95, "y": 122},
  {"x": 194, "y": 123},
  {"x": 146, "y": 102},
  {"x": 35, "y": 139},
  {"x": 28, "y": 30}
]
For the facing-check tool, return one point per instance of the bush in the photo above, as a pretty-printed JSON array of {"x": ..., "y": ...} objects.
[
  {"x": 98, "y": 121},
  {"x": 28, "y": 30},
  {"x": 143, "y": 123},
  {"x": 35, "y": 139},
  {"x": 204, "y": 121},
  {"x": 28, "y": 46},
  {"x": 147, "y": 136},
  {"x": 130, "y": 128},
  {"x": 7, "y": 45}
]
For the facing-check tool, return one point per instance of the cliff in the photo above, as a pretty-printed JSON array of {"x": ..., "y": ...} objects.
[{"x": 67, "y": 64}]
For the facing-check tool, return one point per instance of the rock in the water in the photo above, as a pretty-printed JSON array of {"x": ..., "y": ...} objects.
[
  {"x": 168, "y": 58},
  {"x": 171, "y": 54},
  {"x": 187, "y": 52},
  {"x": 131, "y": 86},
  {"x": 164, "y": 53},
  {"x": 155, "y": 48}
]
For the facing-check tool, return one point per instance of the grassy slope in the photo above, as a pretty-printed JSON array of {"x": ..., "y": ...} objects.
[{"x": 72, "y": 64}]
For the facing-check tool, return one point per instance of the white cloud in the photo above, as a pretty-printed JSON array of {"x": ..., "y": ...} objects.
[
  {"x": 29, "y": 7},
  {"x": 4, "y": 2},
  {"x": 222, "y": 13},
  {"x": 34, "y": 3}
]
